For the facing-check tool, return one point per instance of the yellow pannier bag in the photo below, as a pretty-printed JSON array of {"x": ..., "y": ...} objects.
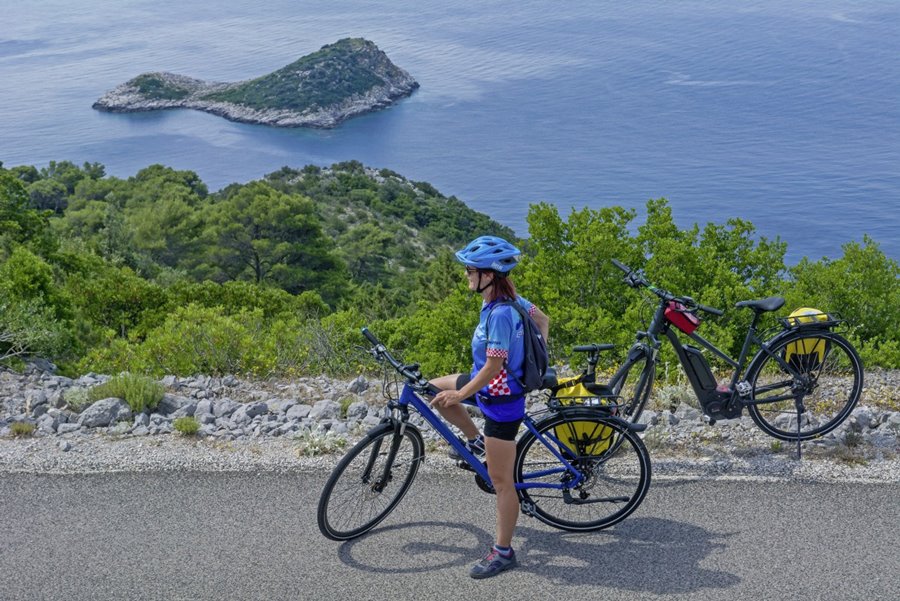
[
  {"x": 585, "y": 438},
  {"x": 806, "y": 354}
]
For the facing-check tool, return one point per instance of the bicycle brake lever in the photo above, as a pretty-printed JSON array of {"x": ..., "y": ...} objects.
[{"x": 689, "y": 303}]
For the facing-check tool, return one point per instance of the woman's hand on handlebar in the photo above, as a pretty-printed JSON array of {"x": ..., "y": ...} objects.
[{"x": 447, "y": 398}]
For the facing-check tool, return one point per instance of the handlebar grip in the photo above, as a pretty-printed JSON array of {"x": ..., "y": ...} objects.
[
  {"x": 370, "y": 336},
  {"x": 712, "y": 310},
  {"x": 621, "y": 265},
  {"x": 593, "y": 348}
]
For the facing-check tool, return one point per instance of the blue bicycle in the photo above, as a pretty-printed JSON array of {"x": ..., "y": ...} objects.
[{"x": 578, "y": 467}]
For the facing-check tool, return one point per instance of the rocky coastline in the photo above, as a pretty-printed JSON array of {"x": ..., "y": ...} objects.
[
  {"x": 274, "y": 102},
  {"x": 307, "y": 423},
  {"x": 127, "y": 98}
]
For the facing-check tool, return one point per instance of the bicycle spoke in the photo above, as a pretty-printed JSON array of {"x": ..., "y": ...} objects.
[
  {"x": 826, "y": 387},
  {"x": 609, "y": 479},
  {"x": 361, "y": 491}
]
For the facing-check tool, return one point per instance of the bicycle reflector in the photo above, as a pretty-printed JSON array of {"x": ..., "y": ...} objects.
[
  {"x": 807, "y": 353},
  {"x": 678, "y": 315}
]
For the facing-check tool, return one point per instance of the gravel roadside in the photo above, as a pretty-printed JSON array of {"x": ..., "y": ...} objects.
[
  {"x": 101, "y": 454},
  {"x": 307, "y": 424}
]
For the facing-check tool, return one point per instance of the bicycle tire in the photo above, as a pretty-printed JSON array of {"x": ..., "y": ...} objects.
[
  {"x": 355, "y": 498},
  {"x": 614, "y": 459},
  {"x": 830, "y": 384},
  {"x": 633, "y": 384}
]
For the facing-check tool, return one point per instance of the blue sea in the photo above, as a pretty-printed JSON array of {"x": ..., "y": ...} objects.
[{"x": 786, "y": 114}]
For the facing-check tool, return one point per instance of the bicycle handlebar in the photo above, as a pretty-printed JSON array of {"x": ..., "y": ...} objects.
[
  {"x": 635, "y": 279},
  {"x": 410, "y": 372},
  {"x": 712, "y": 310},
  {"x": 370, "y": 337}
]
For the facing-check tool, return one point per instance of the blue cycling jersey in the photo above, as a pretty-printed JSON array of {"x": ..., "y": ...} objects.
[{"x": 505, "y": 400}]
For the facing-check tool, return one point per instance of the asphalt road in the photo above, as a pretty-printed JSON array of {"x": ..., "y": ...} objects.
[{"x": 189, "y": 536}]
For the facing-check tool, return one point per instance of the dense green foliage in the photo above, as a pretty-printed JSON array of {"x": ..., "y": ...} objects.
[
  {"x": 154, "y": 274},
  {"x": 331, "y": 75},
  {"x": 154, "y": 87}
]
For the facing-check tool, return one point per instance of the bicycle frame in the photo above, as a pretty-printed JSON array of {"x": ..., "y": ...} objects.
[
  {"x": 727, "y": 403},
  {"x": 409, "y": 397}
]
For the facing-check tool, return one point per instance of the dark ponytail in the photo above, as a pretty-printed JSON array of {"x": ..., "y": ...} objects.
[{"x": 503, "y": 288}]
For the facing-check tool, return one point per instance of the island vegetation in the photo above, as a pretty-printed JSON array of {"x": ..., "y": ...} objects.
[
  {"x": 156, "y": 274},
  {"x": 341, "y": 80}
]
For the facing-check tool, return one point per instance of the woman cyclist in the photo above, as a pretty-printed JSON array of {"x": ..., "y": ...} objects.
[{"x": 497, "y": 353}]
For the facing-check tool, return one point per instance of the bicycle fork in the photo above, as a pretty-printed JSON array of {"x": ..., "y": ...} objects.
[{"x": 386, "y": 475}]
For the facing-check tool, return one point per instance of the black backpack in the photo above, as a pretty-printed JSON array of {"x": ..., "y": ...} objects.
[{"x": 535, "y": 362}]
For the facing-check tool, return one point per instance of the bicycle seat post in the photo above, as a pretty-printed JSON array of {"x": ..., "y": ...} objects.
[{"x": 593, "y": 358}]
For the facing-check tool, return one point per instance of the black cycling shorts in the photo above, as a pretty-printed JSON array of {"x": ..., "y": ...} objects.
[
  {"x": 492, "y": 428},
  {"x": 501, "y": 430}
]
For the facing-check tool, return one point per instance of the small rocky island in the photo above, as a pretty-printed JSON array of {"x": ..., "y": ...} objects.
[{"x": 342, "y": 80}]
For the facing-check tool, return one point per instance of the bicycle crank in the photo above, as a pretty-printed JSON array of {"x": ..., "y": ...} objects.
[{"x": 484, "y": 485}]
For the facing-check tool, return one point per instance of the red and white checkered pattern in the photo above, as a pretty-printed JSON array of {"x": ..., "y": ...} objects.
[
  {"x": 499, "y": 386},
  {"x": 497, "y": 352}
]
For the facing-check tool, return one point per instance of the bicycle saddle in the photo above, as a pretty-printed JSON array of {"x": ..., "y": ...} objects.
[{"x": 773, "y": 303}]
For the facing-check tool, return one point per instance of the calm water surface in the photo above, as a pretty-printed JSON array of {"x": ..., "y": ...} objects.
[{"x": 783, "y": 115}]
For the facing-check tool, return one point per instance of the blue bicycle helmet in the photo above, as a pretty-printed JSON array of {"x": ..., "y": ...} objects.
[{"x": 489, "y": 252}]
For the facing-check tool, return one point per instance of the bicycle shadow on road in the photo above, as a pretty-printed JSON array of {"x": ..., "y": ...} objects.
[
  {"x": 415, "y": 547},
  {"x": 641, "y": 554}
]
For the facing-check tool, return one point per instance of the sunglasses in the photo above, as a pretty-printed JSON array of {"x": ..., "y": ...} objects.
[{"x": 471, "y": 270}]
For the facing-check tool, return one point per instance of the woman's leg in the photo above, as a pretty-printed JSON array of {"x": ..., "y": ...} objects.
[
  {"x": 501, "y": 456},
  {"x": 457, "y": 414}
]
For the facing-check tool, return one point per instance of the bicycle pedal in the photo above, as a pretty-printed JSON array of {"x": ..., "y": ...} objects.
[
  {"x": 464, "y": 466},
  {"x": 744, "y": 388}
]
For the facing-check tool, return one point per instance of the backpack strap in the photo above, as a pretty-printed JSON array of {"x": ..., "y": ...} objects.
[{"x": 516, "y": 307}]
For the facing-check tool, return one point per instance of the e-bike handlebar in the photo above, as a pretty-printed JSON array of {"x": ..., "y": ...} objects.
[{"x": 636, "y": 279}]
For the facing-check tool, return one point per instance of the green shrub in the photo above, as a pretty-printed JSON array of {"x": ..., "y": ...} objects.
[
  {"x": 204, "y": 340},
  {"x": 78, "y": 399},
  {"x": 864, "y": 287},
  {"x": 22, "y": 429},
  {"x": 315, "y": 346},
  {"x": 140, "y": 392},
  {"x": 187, "y": 426}
]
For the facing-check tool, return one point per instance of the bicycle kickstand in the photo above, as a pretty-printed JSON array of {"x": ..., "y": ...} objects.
[{"x": 800, "y": 410}]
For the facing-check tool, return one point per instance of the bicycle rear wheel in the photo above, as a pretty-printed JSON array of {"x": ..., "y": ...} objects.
[
  {"x": 828, "y": 382},
  {"x": 613, "y": 460},
  {"x": 633, "y": 384},
  {"x": 363, "y": 489}
]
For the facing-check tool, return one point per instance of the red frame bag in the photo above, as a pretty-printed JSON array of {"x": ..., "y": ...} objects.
[{"x": 678, "y": 315}]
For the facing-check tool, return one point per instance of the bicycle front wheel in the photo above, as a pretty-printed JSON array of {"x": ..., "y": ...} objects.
[
  {"x": 611, "y": 458},
  {"x": 363, "y": 489},
  {"x": 827, "y": 380}
]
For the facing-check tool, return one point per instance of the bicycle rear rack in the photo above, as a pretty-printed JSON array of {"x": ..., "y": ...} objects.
[{"x": 819, "y": 321}]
